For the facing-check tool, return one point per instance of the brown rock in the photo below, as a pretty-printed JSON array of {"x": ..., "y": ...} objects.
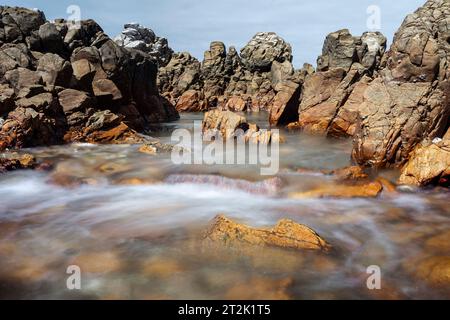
[
  {"x": 284, "y": 108},
  {"x": 106, "y": 88},
  {"x": 122, "y": 134},
  {"x": 346, "y": 120},
  {"x": 428, "y": 164},
  {"x": 21, "y": 78},
  {"x": 236, "y": 103},
  {"x": 364, "y": 190},
  {"x": 286, "y": 234},
  {"x": 434, "y": 270},
  {"x": 6, "y": 99},
  {"x": 226, "y": 122},
  {"x": 349, "y": 173},
  {"x": 83, "y": 70},
  {"x": 409, "y": 100},
  {"x": 15, "y": 161},
  {"x": 73, "y": 100},
  {"x": 54, "y": 70},
  {"x": 41, "y": 102},
  {"x": 318, "y": 106},
  {"x": 191, "y": 101}
]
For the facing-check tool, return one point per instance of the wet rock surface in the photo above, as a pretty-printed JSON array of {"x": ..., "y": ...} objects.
[
  {"x": 286, "y": 234},
  {"x": 261, "y": 77},
  {"x": 408, "y": 101}
]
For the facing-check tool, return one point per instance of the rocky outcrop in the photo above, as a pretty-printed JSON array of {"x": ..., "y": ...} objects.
[
  {"x": 409, "y": 100},
  {"x": 262, "y": 77},
  {"x": 180, "y": 75},
  {"x": 429, "y": 163},
  {"x": 286, "y": 234},
  {"x": 56, "y": 75},
  {"x": 331, "y": 96},
  {"x": 232, "y": 125},
  {"x": 135, "y": 36}
]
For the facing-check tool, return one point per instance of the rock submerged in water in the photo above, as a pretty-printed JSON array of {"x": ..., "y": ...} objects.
[
  {"x": 357, "y": 190},
  {"x": 286, "y": 234},
  {"x": 15, "y": 161},
  {"x": 435, "y": 271},
  {"x": 228, "y": 124}
]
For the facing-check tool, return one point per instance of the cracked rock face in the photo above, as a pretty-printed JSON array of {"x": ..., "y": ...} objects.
[
  {"x": 135, "y": 36},
  {"x": 262, "y": 77},
  {"x": 56, "y": 75},
  {"x": 263, "y": 49},
  {"x": 409, "y": 100},
  {"x": 330, "y": 103}
]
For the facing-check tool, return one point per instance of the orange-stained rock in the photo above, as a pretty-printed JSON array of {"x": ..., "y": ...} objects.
[
  {"x": 349, "y": 173},
  {"x": 118, "y": 135},
  {"x": 364, "y": 190},
  {"x": 226, "y": 122},
  {"x": 387, "y": 185},
  {"x": 286, "y": 234},
  {"x": 429, "y": 163},
  {"x": 284, "y": 108},
  {"x": 236, "y": 103},
  {"x": 134, "y": 181},
  {"x": 191, "y": 101}
]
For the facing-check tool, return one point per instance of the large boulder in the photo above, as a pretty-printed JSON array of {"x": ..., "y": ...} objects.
[
  {"x": 135, "y": 36},
  {"x": 429, "y": 163},
  {"x": 74, "y": 100},
  {"x": 346, "y": 61},
  {"x": 263, "y": 49},
  {"x": 286, "y": 234},
  {"x": 342, "y": 50},
  {"x": 409, "y": 100},
  {"x": 225, "y": 122},
  {"x": 18, "y": 23}
]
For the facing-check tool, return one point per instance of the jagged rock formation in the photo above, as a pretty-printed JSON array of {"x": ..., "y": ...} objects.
[
  {"x": 56, "y": 76},
  {"x": 331, "y": 96},
  {"x": 261, "y": 78},
  {"x": 135, "y": 36},
  {"x": 409, "y": 101}
]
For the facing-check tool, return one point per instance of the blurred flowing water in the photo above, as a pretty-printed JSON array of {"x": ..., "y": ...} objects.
[{"x": 137, "y": 234}]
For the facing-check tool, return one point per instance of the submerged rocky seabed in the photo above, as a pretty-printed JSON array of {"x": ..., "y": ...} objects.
[
  {"x": 135, "y": 223},
  {"x": 87, "y": 178}
]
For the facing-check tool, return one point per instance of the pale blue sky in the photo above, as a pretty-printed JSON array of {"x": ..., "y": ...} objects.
[{"x": 190, "y": 25}]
